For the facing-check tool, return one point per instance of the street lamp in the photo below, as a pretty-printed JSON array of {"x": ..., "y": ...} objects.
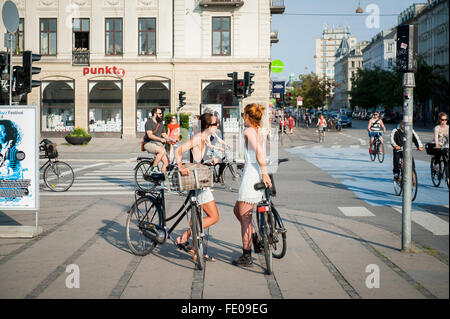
[{"x": 359, "y": 9}]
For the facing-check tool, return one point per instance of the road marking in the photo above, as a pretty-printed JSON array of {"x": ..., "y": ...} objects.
[
  {"x": 87, "y": 167},
  {"x": 69, "y": 193},
  {"x": 356, "y": 211},
  {"x": 427, "y": 220}
]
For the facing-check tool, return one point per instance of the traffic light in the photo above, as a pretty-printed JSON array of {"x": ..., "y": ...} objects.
[
  {"x": 405, "y": 48},
  {"x": 182, "y": 99},
  {"x": 288, "y": 98},
  {"x": 248, "y": 83},
  {"x": 23, "y": 75},
  {"x": 240, "y": 89}
]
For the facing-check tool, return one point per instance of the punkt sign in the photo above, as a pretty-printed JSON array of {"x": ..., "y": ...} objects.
[{"x": 104, "y": 70}]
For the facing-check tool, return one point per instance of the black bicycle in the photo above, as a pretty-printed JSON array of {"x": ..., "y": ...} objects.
[
  {"x": 439, "y": 164},
  {"x": 227, "y": 172},
  {"x": 270, "y": 233},
  {"x": 58, "y": 176},
  {"x": 377, "y": 149},
  {"x": 146, "y": 221},
  {"x": 398, "y": 182}
]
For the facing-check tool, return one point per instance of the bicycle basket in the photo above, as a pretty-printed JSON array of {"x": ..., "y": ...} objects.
[
  {"x": 430, "y": 148},
  {"x": 185, "y": 183}
]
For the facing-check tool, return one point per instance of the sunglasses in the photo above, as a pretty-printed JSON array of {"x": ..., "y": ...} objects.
[
  {"x": 443, "y": 119},
  {"x": 213, "y": 124}
]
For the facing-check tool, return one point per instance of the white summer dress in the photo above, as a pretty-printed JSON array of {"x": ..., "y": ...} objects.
[{"x": 250, "y": 176}]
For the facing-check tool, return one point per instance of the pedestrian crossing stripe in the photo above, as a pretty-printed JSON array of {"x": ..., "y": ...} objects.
[
  {"x": 427, "y": 220},
  {"x": 355, "y": 211}
]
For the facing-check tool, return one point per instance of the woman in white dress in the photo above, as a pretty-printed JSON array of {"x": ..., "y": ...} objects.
[{"x": 255, "y": 170}]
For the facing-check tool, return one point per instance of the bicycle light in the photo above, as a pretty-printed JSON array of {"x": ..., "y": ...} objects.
[{"x": 263, "y": 209}]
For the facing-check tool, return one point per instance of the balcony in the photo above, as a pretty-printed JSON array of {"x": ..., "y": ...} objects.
[
  {"x": 220, "y": 3},
  {"x": 80, "y": 58},
  {"x": 277, "y": 6},
  {"x": 274, "y": 37}
]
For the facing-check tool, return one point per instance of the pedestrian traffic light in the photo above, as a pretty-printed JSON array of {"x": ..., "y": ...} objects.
[
  {"x": 248, "y": 83},
  {"x": 182, "y": 99},
  {"x": 23, "y": 76},
  {"x": 405, "y": 48}
]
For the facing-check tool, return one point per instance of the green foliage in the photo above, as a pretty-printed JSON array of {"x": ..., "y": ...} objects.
[
  {"x": 79, "y": 132},
  {"x": 315, "y": 90}
]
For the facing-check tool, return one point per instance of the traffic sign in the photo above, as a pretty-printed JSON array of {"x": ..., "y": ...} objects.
[
  {"x": 10, "y": 16},
  {"x": 277, "y": 66}
]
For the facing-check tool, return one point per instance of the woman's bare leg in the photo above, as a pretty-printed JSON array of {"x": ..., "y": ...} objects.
[{"x": 243, "y": 211}]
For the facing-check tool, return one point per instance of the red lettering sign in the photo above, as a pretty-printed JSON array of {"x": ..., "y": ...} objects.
[{"x": 106, "y": 70}]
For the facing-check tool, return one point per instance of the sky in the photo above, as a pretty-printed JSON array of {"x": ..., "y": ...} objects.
[{"x": 303, "y": 20}]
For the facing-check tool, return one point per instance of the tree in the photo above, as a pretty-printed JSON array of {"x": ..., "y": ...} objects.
[{"x": 315, "y": 90}]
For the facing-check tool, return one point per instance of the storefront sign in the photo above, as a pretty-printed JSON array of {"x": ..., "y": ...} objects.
[
  {"x": 278, "y": 87},
  {"x": 107, "y": 70},
  {"x": 19, "y": 170}
]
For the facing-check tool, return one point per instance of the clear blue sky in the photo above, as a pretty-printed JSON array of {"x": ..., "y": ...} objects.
[{"x": 297, "y": 30}]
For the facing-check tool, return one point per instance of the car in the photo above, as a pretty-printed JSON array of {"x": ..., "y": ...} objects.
[
  {"x": 346, "y": 121},
  {"x": 389, "y": 118}
]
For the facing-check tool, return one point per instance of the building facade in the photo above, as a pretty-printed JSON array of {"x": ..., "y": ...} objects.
[
  {"x": 107, "y": 63},
  {"x": 348, "y": 61},
  {"x": 327, "y": 46},
  {"x": 381, "y": 51},
  {"x": 433, "y": 34}
]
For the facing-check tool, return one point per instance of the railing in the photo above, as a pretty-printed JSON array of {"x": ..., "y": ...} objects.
[
  {"x": 223, "y": 3},
  {"x": 274, "y": 37},
  {"x": 277, "y": 6},
  {"x": 81, "y": 58}
]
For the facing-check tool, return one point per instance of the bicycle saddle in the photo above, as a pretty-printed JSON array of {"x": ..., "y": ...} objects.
[{"x": 145, "y": 158}]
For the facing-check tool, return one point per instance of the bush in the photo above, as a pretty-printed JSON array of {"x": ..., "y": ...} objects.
[{"x": 79, "y": 132}]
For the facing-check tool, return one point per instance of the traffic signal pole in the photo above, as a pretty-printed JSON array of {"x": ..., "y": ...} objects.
[{"x": 10, "y": 68}]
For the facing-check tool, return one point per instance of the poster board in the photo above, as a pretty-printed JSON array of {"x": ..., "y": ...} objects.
[{"x": 19, "y": 159}]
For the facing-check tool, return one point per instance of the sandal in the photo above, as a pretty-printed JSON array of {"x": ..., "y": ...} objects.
[
  {"x": 183, "y": 246},
  {"x": 209, "y": 258}
]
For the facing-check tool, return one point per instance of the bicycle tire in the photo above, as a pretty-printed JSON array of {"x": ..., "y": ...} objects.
[
  {"x": 283, "y": 244},
  {"x": 144, "y": 210},
  {"x": 232, "y": 177},
  {"x": 414, "y": 184},
  {"x": 380, "y": 152},
  {"x": 267, "y": 248},
  {"x": 373, "y": 154},
  {"x": 59, "y": 176},
  {"x": 398, "y": 186},
  {"x": 435, "y": 175},
  {"x": 447, "y": 175},
  {"x": 141, "y": 173},
  {"x": 197, "y": 236}
]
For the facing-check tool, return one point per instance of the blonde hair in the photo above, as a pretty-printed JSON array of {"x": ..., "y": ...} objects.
[{"x": 255, "y": 113}]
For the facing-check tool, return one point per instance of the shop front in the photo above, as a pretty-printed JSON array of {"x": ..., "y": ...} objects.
[{"x": 150, "y": 94}]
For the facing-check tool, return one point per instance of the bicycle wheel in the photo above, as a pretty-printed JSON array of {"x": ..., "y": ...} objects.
[
  {"x": 414, "y": 184},
  {"x": 59, "y": 176},
  {"x": 398, "y": 187},
  {"x": 446, "y": 175},
  {"x": 380, "y": 152},
  {"x": 197, "y": 236},
  {"x": 232, "y": 177},
  {"x": 142, "y": 176},
  {"x": 142, "y": 214},
  {"x": 267, "y": 250},
  {"x": 373, "y": 153},
  {"x": 279, "y": 236},
  {"x": 436, "y": 170}
]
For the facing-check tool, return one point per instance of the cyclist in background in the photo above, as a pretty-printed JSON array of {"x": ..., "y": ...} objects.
[
  {"x": 441, "y": 135},
  {"x": 322, "y": 125},
  {"x": 397, "y": 136},
  {"x": 375, "y": 128}
]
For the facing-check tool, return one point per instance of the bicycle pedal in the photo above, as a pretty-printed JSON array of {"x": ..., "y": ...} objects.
[{"x": 281, "y": 230}]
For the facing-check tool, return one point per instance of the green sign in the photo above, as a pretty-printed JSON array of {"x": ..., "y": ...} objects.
[{"x": 277, "y": 66}]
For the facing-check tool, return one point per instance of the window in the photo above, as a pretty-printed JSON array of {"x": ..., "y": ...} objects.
[
  {"x": 353, "y": 64},
  {"x": 81, "y": 34},
  {"x": 147, "y": 36},
  {"x": 221, "y": 36},
  {"x": 20, "y": 43},
  {"x": 48, "y": 36},
  {"x": 58, "y": 106},
  {"x": 113, "y": 36}
]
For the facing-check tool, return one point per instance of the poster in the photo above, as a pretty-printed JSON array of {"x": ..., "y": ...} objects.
[{"x": 19, "y": 170}]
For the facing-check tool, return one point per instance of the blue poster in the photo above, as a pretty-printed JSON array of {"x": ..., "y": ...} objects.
[{"x": 19, "y": 182}]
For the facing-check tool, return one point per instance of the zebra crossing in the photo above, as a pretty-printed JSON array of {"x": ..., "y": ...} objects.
[{"x": 107, "y": 180}]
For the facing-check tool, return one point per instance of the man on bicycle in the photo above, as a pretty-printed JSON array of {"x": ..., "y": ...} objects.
[
  {"x": 375, "y": 128},
  {"x": 397, "y": 136},
  {"x": 154, "y": 139}
]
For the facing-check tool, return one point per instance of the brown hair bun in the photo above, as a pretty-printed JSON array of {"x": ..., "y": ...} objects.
[{"x": 255, "y": 113}]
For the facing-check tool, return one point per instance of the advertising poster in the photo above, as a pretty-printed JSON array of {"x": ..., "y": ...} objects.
[{"x": 19, "y": 171}]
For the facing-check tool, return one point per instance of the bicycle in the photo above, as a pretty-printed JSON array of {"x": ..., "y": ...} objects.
[
  {"x": 321, "y": 132},
  {"x": 142, "y": 171},
  {"x": 377, "y": 149},
  {"x": 398, "y": 182},
  {"x": 268, "y": 225},
  {"x": 439, "y": 170},
  {"x": 58, "y": 175},
  {"x": 231, "y": 174},
  {"x": 146, "y": 221}
]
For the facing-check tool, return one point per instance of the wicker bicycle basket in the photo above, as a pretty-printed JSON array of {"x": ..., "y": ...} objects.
[{"x": 200, "y": 176}]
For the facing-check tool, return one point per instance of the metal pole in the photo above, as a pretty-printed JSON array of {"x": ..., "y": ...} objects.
[
  {"x": 408, "y": 105},
  {"x": 10, "y": 68},
  {"x": 240, "y": 154}
]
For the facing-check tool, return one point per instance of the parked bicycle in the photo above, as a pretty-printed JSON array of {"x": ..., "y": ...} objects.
[
  {"x": 146, "y": 222},
  {"x": 398, "y": 182},
  {"x": 377, "y": 149},
  {"x": 270, "y": 232},
  {"x": 231, "y": 175},
  {"x": 439, "y": 164},
  {"x": 58, "y": 175}
]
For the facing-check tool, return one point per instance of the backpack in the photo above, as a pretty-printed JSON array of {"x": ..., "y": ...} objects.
[{"x": 49, "y": 148}]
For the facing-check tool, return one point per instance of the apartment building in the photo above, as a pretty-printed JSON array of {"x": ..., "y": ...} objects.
[
  {"x": 327, "y": 46},
  {"x": 107, "y": 63},
  {"x": 381, "y": 51}
]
